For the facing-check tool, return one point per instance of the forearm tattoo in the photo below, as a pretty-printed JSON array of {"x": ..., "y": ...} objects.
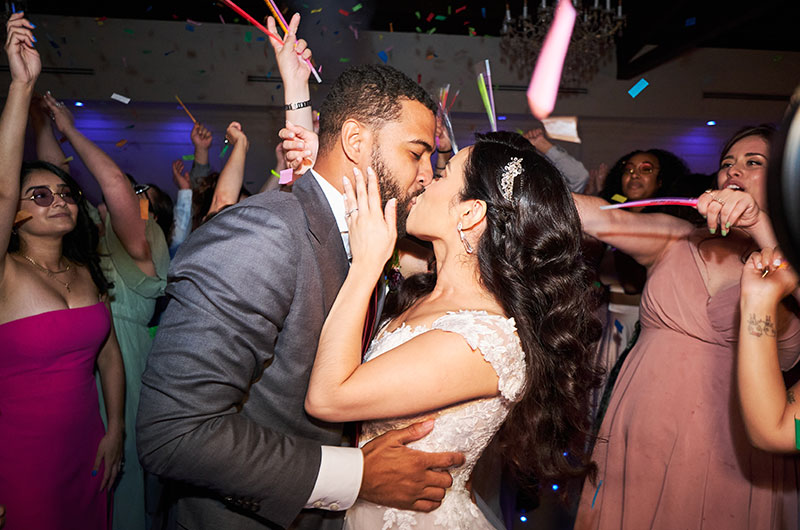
[
  {"x": 757, "y": 327},
  {"x": 790, "y": 396}
]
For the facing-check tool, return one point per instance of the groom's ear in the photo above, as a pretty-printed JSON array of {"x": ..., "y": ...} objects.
[
  {"x": 474, "y": 212},
  {"x": 356, "y": 142}
]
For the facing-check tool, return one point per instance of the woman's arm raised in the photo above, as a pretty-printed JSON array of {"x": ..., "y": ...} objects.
[{"x": 24, "y": 65}]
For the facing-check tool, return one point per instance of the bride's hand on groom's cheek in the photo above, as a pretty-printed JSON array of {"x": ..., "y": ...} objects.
[
  {"x": 373, "y": 230},
  {"x": 403, "y": 478}
]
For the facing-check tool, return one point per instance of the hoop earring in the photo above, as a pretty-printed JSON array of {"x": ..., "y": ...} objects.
[{"x": 467, "y": 246}]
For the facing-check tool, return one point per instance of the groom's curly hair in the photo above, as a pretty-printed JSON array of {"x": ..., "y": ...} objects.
[
  {"x": 372, "y": 94},
  {"x": 530, "y": 259}
]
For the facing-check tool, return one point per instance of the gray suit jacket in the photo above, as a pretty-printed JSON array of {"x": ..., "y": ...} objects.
[{"x": 222, "y": 397}]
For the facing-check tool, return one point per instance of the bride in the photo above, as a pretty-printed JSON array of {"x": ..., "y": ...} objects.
[{"x": 495, "y": 339}]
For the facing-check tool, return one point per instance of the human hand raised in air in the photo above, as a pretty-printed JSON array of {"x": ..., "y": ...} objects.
[
  {"x": 24, "y": 62},
  {"x": 292, "y": 54},
  {"x": 767, "y": 277}
]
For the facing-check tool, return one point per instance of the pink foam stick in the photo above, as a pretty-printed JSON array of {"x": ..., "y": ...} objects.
[
  {"x": 286, "y": 176},
  {"x": 543, "y": 89},
  {"x": 661, "y": 201}
]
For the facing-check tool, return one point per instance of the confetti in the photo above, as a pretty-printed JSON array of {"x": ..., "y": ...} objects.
[
  {"x": 440, "y": 17},
  {"x": 68, "y": 159},
  {"x": 286, "y": 176},
  {"x": 383, "y": 56},
  {"x": 391, "y": 28},
  {"x": 22, "y": 216},
  {"x": 120, "y": 98},
  {"x": 418, "y": 15},
  {"x": 618, "y": 325},
  {"x": 144, "y": 208},
  {"x": 128, "y": 31},
  {"x": 121, "y": 143},
  {"x": 194, "y": 22},
  {"x": 357, "y": 7},
  {"x": 354, "y": 30},
  {"x": 429, "y": 18},
  {"x": 460, "y": 9},
  {"x": 221, "y": 19},
  {"x": 343, "y": 12},
  {"x": 224, "y": 150},
  {"x": 248, "y": 36},
  {"x": 430, "y": 31},
  {"x": 483, "y": 12},
  {"x": 619, "y": 198},
  {"x": 638, "y": 87},
  {"x": 189, "y": 27},
  {"x": 344, "y": 59},
  {"x": 691, "y": 21},
  {"x": 188, "y": 157},
  {"x": 318, "y": 10}
]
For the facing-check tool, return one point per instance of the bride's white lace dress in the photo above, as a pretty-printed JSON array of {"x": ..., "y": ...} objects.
[{"x": 466, "y": 427}]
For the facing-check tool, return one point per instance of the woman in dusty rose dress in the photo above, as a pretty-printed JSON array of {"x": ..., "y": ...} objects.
[
  {"x": 673, "y": 452},
  {"x": 57, "y": 461}
]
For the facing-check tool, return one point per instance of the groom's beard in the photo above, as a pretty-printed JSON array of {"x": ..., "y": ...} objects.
[{"x": 390, "y": 189}]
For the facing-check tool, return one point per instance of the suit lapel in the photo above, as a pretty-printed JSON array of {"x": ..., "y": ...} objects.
[{"x": 323, "y": 234}]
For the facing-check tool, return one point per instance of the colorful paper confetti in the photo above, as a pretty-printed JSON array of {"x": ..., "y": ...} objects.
[
  {"x": 618, "y": 198},
  {"x": 357, "y": 7},
  {"x": 188, "y": 157},
  {"x": 343, "y": 12},
  {"x": 286, "y": 176},
  {"x": 69, "y": 159},
  {"x": 383, "y": 56},
  {"x": 120, "y": 98},
  {"x": 638, "y": 87},
  {"x": 121, "y": 143}
]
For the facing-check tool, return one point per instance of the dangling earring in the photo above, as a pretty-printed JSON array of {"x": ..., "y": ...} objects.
[{"x": 467, "y": 246}]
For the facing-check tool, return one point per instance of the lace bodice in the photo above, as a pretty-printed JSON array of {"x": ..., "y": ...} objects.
[{"x": 466, "y": 427}]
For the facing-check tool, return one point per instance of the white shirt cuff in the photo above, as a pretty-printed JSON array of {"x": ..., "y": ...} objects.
[{"x": 339, "y": 478}]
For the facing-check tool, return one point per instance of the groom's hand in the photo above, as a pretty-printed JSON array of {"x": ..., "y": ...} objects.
[{"x": 397, "y": 476}]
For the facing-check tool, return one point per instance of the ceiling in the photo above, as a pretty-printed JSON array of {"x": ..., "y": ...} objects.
[{"x": 671, "y": 26}]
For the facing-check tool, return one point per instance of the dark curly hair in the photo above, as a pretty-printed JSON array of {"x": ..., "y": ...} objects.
[
  {"x": 80, "y": 245},
  {"x": 372, "y": 94},
  {"x": 530, "y": 259},
  {"x": 671, "y": 168}
]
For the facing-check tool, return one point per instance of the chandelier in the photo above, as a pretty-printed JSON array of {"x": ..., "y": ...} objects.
[{"x": 589, "y": 48}]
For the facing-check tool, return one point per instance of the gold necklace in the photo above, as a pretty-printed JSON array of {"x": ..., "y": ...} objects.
[{"x": 51, "y": 274}]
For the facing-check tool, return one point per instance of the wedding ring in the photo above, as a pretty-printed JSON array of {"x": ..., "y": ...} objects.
[
  {"x": 351, "y": 212},
  {"x": 716, "y": 199}
]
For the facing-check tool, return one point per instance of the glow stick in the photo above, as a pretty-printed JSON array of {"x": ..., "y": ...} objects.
[
  {"x": 184, "y": 108},
  {"x": 285, "y": 27},
  {"x": 662, "y": 201},
  {"x": 452, "y": 101},
  {"x": 260, "y": 27},
  {"x": 491, "y": 91},
  {"x": 485, "y": 99},
  {"x": 543, "y": 89},
  {"x": 449, "y": 127},
  {"x": 797, "y": 433},
  {"x": 278, "y": 16}
]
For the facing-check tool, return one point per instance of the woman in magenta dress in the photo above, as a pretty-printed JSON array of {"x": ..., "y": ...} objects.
[
  {"x": 672, "y": 450},
  {"x": 57, "y": 461}
]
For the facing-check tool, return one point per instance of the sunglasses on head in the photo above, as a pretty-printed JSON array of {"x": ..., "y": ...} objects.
[
  {"x": 45, "y": 197},
  {"x": 138, "y": 189}
]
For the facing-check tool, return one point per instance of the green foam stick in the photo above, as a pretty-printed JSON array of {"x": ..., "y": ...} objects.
[
  {"x": 797, "y": 433},
  {"x": 224, "y": 150},
  {"x": 485, "y": 99}
]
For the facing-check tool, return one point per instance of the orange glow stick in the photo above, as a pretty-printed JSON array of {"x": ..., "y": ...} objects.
[{"x": 184, "y": 108}]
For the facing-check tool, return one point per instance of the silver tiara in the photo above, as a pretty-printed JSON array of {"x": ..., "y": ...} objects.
[{"x": 512, "y": 170}]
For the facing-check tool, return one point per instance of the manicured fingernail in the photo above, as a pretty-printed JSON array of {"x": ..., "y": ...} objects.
[
  {"x": 724, "y": 232},
  {"x": 428, "y": 424},
  {"x": 777, "y": 262},
  {"x": 727, "y": 225},
  {"x": 34, "y": 38},
  {"x": 94, "y": 472},
  {"x": 759, "y": 265},
  {"x": 712, "y": 230}
]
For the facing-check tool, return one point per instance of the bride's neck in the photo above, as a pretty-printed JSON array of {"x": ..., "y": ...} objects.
[{"x": 457, "y": 274}]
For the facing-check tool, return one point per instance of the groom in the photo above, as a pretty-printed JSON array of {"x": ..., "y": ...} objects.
[{"x": 221, "y": 408}]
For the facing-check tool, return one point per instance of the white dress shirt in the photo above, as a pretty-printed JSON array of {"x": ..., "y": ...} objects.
[{"x": 341, "y": 468}]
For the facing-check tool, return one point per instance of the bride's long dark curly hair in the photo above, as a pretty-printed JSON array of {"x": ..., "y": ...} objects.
[{"x": 530, "y": 259}]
